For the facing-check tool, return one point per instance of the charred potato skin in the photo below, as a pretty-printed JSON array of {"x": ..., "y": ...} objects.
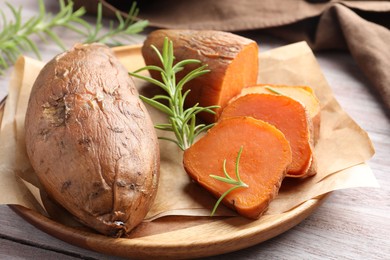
[{"x": 91, "y": 140}]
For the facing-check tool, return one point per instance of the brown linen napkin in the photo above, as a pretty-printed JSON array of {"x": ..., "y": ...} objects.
[
  {"x": 340, "y": 27},
  {"x": 362, "y": 27}
]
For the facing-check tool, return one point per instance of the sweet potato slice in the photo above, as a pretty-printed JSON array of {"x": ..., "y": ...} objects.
[
  {"x": 266, "y": 154},
  {"x": 303, "y": 94},
  {"x": 286, "y": 114},
  {"x": 232, "y": 60}
]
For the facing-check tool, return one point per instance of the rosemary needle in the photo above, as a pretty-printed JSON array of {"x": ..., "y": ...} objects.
[{"x": 273, "y": 90}]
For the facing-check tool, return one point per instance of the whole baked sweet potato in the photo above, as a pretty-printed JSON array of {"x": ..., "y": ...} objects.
[{"x": 91, "y": 140}]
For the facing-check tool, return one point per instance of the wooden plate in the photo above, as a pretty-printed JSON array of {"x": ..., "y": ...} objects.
[
  {"x": 176, "y": 237},
  {"x": 192, "y": 238}
]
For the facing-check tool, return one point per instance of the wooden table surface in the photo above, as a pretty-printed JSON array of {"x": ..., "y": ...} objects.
[{"x": 351, "y": 224}]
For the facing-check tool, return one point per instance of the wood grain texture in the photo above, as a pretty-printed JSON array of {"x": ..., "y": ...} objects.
[
  {"x": 351, "y": 224},
  {"x": 28, "y": 252}
]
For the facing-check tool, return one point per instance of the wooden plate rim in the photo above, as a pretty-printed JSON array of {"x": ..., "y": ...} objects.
[{"x": 152, "y": 246}]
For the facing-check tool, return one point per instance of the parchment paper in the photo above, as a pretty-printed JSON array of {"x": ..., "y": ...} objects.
[{"x": 341, "y": 151}]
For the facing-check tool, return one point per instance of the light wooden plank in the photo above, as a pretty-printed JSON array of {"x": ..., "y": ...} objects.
[
  {"x": 14, "y": 228},
  {"x": 22, "y": 251}
]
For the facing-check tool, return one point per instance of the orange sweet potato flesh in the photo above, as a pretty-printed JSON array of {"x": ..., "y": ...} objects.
[
  {"x": 232, "y": 60},
  {"x": 303, "y": 94},
  {"x": 286, "y": 114},
  {"x": 266, "y": 154}
]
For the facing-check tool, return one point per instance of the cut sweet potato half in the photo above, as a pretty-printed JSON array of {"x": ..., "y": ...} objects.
[
  {"x": 232, "y": 60},
  {"x": 286, "y": 114},
  {"x": 303, "y": 94},
  {"x": 266, "y": 154}
]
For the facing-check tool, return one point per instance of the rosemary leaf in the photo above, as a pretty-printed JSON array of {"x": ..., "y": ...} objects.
[
  {"x": 273, "y": 90},
  {"x": 150, "y": 67},
  {"x": 157, "y": 97},
  {"x": 170, "y": 139},
  {"x": 221, "y": 198},
  {"x": 55, "y": 38},
  {"x": 163, "y": 108},
  {"x": 150, "y": 80},
  {"x": 165, "y": 127}
]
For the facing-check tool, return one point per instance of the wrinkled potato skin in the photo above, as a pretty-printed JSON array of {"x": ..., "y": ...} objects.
[{"x": 91, "y": 140}]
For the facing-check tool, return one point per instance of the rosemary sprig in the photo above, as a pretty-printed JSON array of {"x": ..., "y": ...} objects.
[
  {"x": 182, "y": 122},
  {"x": 15, "y": 35},
  {"x": 125, "y": 27},
  {"x": 238, "y": 183}
]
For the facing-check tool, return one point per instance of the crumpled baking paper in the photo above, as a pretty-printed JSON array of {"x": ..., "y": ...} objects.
[{"x": 341, "y": 151}]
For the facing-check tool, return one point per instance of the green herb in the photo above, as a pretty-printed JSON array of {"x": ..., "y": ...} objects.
[
  {"x": 273, "y": 90},
  {"x": 125, "y": 27},
  {"x": 182, "y": 122},
  {"x": 236, "y": 183},
  {"x": 15, "y": 35}
]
